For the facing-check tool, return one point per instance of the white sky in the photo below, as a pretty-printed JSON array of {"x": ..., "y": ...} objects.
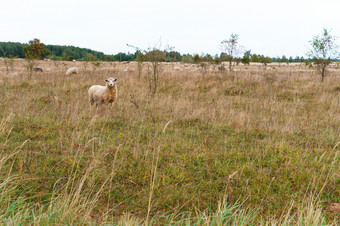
[{"x": 268, "y": 27}]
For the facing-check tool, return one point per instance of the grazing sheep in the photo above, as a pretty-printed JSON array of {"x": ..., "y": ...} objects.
[
  {"x": 104, "y": 94},
  {"x": 72, "y": 70},
  {"x": 38, "y": 69}
]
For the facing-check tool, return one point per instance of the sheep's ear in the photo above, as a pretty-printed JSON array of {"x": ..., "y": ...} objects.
[
  {"x": 106, "y": 80},
  {"x": 116, "y": 79}
]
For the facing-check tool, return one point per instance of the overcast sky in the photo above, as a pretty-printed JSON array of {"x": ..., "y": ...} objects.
[{"x": 268, "y": 27}]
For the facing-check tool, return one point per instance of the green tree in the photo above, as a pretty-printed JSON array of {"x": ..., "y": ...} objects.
[
  {"x": 217, "y": 59},
  {"x": 323, "y": 50},
  {"x": 291, "y": 59},
  {"x": 265, "y": 60},
  {"x": 187, "y": 58},
  {"x": 197, "y": 59},
  {"x": 245, "y": 60},
  {"x": 208, "y": 58},
  {"x": 11, "y": 49},
  {"x": 246, "y": 57},
  {"x": 173, "y": 56},
  {"x": 90, "y": 57},
  {"x": 255, "y": 58}
]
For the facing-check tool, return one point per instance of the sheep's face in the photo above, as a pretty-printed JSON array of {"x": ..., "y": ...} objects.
[{"x": 111, "y": 82}]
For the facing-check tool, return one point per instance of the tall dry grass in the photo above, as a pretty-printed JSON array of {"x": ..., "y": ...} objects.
[{"x": 253, "y": 146}]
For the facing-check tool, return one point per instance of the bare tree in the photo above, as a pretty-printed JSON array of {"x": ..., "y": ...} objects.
[
  {"x": 30, "y": 62},
  {"x": 154, "y": 56},
  {"x": 323, "y": 50},
  {"x": 231, "y": 49},
  {"x": 203, "y": 68},
  {"x": 9, "y": 63},
  {"x": 140, "y": 58}
]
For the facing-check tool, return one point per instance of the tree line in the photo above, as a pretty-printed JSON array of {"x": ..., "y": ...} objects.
[
  {"x": 323, "y": 50},
  {"x": 56, "y": 52},
  {"x": 69, "y": 53}
]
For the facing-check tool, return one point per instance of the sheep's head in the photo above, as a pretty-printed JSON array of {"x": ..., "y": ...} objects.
[{"x": 111, "y": 82}]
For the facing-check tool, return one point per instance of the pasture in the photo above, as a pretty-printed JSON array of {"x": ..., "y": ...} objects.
[{"x": 256, "y": 145}]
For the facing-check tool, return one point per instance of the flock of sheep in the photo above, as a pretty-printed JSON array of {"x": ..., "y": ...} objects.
[{"x": 97, "y": 94}]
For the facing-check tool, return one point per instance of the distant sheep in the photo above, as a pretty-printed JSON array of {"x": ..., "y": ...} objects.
[
  {"x": 38, "y": 69},
  {"x": 72, "y": 70},
  {"x": 176, "y": 68},
  {"x": 270, "y": 68},
  {"x": 104, "y": 94}
]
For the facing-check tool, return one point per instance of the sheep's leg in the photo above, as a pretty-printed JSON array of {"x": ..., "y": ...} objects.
[{"x": 91, "y": 100}]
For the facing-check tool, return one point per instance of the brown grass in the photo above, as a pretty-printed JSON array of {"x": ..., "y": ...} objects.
[{"x": 266, "y": 138}]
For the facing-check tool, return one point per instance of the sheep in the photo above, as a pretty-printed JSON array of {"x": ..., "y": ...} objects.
[
  {"x": 38, "y": 69},
  {"x": 270, "y": 68},
  {"x": 104, "y": 94},
  {"x": 72, "y": 70},
  {"x": 176, "y": 68}
]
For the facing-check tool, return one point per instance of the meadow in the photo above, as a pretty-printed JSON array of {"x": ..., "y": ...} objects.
[{"x": 255, "y": 146}]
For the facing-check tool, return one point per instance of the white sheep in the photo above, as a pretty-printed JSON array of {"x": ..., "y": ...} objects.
[
  {"x": 104, "y": 94},
  {"x": 176, "y": 68},
  {"x": 72, "y": 70}
]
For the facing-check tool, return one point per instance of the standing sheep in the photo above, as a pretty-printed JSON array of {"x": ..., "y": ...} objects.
[
  {"x": 104, "y": 94},
  {"x": 72, "y": 70}
]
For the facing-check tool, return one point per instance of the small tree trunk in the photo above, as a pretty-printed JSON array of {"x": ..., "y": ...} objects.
[
  {"x": 323, "y": 72},
  {"x": 140, "y": 69},
  {"x": 155, "y": 77}
]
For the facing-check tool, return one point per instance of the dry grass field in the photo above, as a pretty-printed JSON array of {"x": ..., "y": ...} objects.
[{"x": 253, "y": 146}]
